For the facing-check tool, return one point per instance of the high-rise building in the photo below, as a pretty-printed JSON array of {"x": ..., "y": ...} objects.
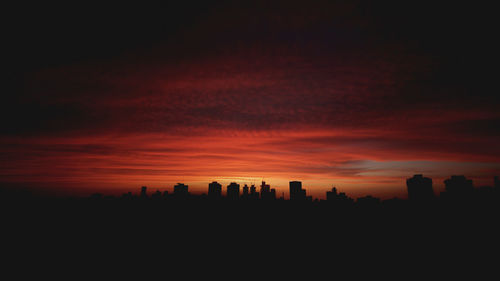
[
  {"x": 419, "y": 188},
  {"x": 458, "y": 186},
  {"x": 214, "y": 190},
  {"x": 144, "y": 190},
  {"x": 265, "y": 191},
  {"x": 181, "y": 189},
  {"x": 253, "y": 192},
  {"x": 272, "y": 194},
  {"x": 233, "y": 191},
  {"x": 331, "y": 195},
  {"x": 245, "y": 191},
  {"x": 340, "y": 199},
  {"x": 296, "y": 191}
]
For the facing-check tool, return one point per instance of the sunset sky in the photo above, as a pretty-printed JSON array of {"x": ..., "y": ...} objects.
[{"x": 359, "y": 96}]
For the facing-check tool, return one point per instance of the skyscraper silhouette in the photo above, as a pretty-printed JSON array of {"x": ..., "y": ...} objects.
[
  {"x": 144, "y": 191},
  {"x": 233, "y": 191},
  {"x": 340, "y": 199},
  {"x": 245, "y": 191},
  {"x": 458, "y": 186},
  {"x": 181, "y": 189},
  {"x": 419, "y": 188},
  {"x": 214, "y": 190},
  {"x": 296, "y": 191},
  {"x": 253, "y": 192},
  {"x": 265, "y": 191},
  {"x": 272, "y": 194},
  {"x": 331, "y": 195}
]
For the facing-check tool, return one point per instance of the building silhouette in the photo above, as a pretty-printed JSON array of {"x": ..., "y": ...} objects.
[
  {"x": 265, "y": 189},
  {"x": 338, "y": 199},
  {"x": 497, "y": 183},
  {"x": 245, "y": 191},
  {"x": 233, "y": 191},
  {"x": 458, "y": 186},
  {"x": 214, "y": 190},
  {"x": 253, "y": 192},
  {"x": 181, "y": 189},
  {"x": 368, "y": 201},
  {"x": 266, "y": 192},
  {"x": 296, "y": 191},
  {"x": 127, "y": 195},
  {"x": 419, "y": 188},
  {"x": 144, "y": 190},
  {"x": 272, "y": 194},
  {"x": 332, "y": 195},
  {"x": 156, "y": 195}
]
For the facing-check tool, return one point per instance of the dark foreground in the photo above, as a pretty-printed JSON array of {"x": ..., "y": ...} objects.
[{"x": 226, "y": 235}]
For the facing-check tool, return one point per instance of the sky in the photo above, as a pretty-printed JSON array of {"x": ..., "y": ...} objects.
[{"x": 356, "y": 95}]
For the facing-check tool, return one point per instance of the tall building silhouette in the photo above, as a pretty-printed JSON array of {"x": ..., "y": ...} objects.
[
  {"x": 296, "y": 191},
  {"x": 419, "y": 188},
  {"x": 245, "y": 191},
  {"x": 264, "y": 188},
  {"x": 458, "y": 186},
  {"x": 214, "y": 190},
  {"x": 340, "y": 199},
  {"x": 181, "y": 189},
  {"x": 253, "y": 192},
  {"x": 272, "y": 194},
  {"x": 266, "y": 193},
  {"x": 233, "y": 191},
  {"x": 144, "y": 190},
  {"x": 332, "y": 195}
]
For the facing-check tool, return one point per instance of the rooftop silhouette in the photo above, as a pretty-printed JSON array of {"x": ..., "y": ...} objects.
[
  {"x": 420, "y": 188},
  {"x": 235, "y": 213},
  {"x": 233, "y": 191}
]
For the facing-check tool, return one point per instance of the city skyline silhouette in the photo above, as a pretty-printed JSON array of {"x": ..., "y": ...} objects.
[
  {"x": 418, "y": 189},
  {"x": 358, "y": 95},
  {"x": 250, "y": 140}
]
